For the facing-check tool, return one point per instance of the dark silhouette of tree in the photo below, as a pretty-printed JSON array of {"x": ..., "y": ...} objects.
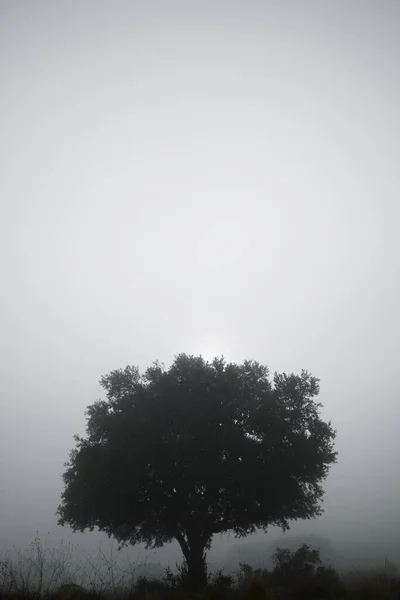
[{"x": 198, "y": 449}]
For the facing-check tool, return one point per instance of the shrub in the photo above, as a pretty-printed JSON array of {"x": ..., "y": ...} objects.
[
  {"x": 372, "y": 586},
  {"x": 73, "y": 591},
  {"x": 301, "y": 575},
  {"x": 151, "y": 589},
  {"x": 221, "y": 581},
  {"x": 254, "y": 584},
  {"x": 327, "y": 584},
  {"x": 177, "y": 580}
]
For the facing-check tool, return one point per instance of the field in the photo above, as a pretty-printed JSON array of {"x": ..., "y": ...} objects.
[{"x": 300, "y": 575}]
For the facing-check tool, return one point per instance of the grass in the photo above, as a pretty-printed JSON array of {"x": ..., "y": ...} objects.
[{"x": 47, "y": 574}]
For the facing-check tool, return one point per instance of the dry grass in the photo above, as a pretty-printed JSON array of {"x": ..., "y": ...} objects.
[{"x": 54, "y": 575}]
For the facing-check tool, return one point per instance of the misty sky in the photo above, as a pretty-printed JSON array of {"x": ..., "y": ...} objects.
[{"x": 214, "y": 177}]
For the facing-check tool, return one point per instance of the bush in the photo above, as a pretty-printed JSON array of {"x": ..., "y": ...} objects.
[
  {"x": 327, "y": 584},
  {"x": 146, "y": 589},
  {"x": 220, "y": 586},
  {"x": 71, "y": 591},
  {"x": 372, "y": 586},
  {"x": 301, "y": 575},
  {"x": 180, "y": 579},
  {"x": 254, "y": 584},
  {"x": 221, "y": 581}
]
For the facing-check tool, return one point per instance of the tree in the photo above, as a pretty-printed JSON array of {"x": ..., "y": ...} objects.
[{"x": 198, "y": 449}]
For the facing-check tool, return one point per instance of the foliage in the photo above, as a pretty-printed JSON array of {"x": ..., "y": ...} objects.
[
  {"x": 362, "y": 585},
  {"x": 73, "y": 591},
  {"x": 179, "y": 579},
  {"x": 221, "y": 581},
  {"x": 303, "y": 573},
  {"x": 150, "y": 588},
  {"x": 253, "y": 584},
  {"x": 295, "y": 566},
  {"x": 198, "y": 449}
]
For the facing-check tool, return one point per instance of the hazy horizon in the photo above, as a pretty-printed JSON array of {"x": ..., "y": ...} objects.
[{"x": 214, "y": 178}]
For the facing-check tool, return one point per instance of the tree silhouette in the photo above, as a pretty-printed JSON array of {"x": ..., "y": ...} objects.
[{"x": 198, "y": 449}]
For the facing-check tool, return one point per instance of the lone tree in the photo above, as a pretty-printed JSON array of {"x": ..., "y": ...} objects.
[{"x": 198, "y": 449}]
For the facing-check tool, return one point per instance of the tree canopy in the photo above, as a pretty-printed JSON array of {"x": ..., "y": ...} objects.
[{"x": 198, "y": 449}]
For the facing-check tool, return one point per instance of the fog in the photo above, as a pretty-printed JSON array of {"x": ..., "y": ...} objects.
[{"x": 201, "y": 177}]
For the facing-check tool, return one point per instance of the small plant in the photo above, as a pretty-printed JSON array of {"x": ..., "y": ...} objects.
[
  {"x": 71, "y": 591},
  {"x": 220, "y": 580},
  {"x": 220, "y": 586},
  {"x": 254, "y": 584},
  {"x": 179, "y": 579},
  {"x": 150, "y": 589}
]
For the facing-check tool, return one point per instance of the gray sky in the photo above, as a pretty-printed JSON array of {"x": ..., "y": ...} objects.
[{"x": 206, "y": 177}]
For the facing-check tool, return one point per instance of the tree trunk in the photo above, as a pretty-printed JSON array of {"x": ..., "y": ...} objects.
[
  {"x": 195, "y": 558},
  {"x": 197, "y": 569}
]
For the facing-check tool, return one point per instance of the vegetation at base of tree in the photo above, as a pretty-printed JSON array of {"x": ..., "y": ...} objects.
[
  {"x": 296, "y": 575},
  {"x": 199, "y": 449}
]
